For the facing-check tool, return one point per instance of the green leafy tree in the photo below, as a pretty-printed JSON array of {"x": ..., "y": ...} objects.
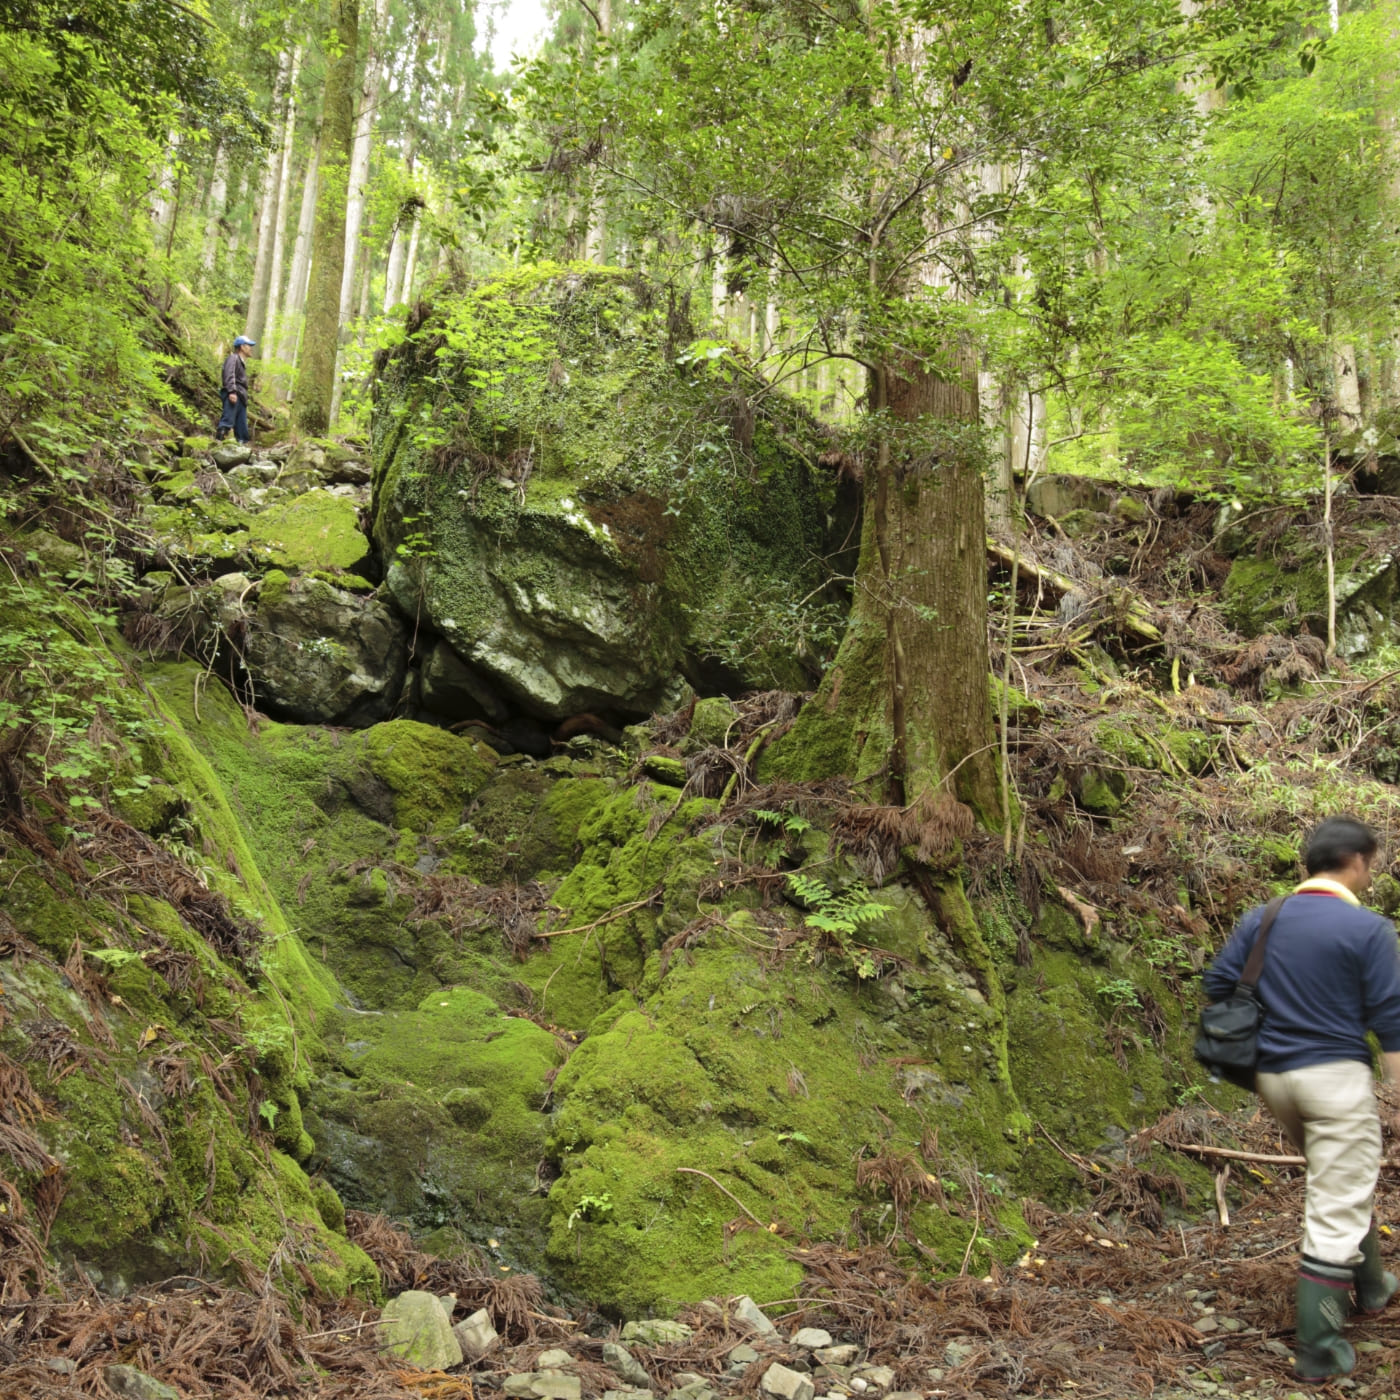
[{"x": 867, "y": 161}]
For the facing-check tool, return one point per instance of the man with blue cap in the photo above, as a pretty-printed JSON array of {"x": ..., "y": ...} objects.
[{"x": 235, "y": 397}]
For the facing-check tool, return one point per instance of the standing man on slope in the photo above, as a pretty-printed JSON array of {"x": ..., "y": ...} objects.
[
  {"x": 235, "y": 395},
  {"x": 1331, "y": 973}
]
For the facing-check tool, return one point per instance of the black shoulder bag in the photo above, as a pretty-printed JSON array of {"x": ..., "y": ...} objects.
[{"x": 1227, "y": 1040}]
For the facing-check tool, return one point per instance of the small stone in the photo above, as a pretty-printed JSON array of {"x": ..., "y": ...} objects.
[
  {"x": 752, "y": 1316},
  {"x": 231, "y": 454},
  {"x": 61, "y": 1364},
  {"x": 1207, "y": 1324},
  {"x": 449, "y": 1305},
  {"x": 132, "y": 1384},
  {"x": 743, "y": 1354},
  {"x": 656, "y": 1332},
  {"x": 553, "y": 1359},
  {"x": 841, "y": 1355},
  {"x": 697, "y": 1391},
  {"x": 1279, "y": 1349},
  {"x": 905, "y": 1395},
  {"x": 1230, "y": 1324},
  {"x": 543, "y": 1385},
  {"x": 787, "y": 1384},
  {"x": 881, "y": 1376},
  {"x": 684, "y": 1380},
  {"x": 1370, "y": 1346},
  {"x": 859, "y": 1384},
  {"x": 476, "y": 1334},
  {"x": 811, "y": 1338},
  {"x": 624, "y": 1365},
  {"x": 414, "y": 1328},
  {"x": 628, "y": 1395},
  {"x": 959, "y": 1352}
]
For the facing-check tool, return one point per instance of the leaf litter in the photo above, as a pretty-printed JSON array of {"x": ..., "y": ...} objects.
[{"x": 1131, "y": 1297}]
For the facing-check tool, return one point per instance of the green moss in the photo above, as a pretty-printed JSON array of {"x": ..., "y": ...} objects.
[
  {"x": 313, "y": 531},
  {"x": 432, "y": 773},
  {"x": 437, "y": 1115}
]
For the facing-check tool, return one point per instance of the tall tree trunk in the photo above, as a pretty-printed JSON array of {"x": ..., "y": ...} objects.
[
  {"x": 411, "y": 260},
  {"x": 398, "y": 258},
  {"x": 316, "y": 370},
  {"x": 235, "y": 205},
  {"x": 163, "y": 200},
  {"x": 905, "y": 708},
  {"x": 218, "y": 198},
  {"x": 359, "y": 181},
  {"x": 295, "y": 302},
  {"x": 284, "y": 183},
  {"x": 268, "y": 213}
]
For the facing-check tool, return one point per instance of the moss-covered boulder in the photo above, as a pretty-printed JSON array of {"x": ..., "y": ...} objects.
[
  {"x": 1284, "y": 586},
  {"x": 319, "y": 655},
  {"x": 583, "y": 521}
]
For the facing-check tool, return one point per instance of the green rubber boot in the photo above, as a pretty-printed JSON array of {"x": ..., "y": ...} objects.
[
  {"x": 1323, "y": 1300},
  {"x": 1375, "y": 1286}
]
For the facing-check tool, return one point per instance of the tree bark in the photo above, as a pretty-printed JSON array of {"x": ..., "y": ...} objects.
[
  {"x": 359, "y": 181},
  {"x": 316, "y": 371},
  {"x": 284, "y": 183},
  {"x": 905, "y": 708},
  {"x": 411, "y": 261},
  {"x": 267, "y": 208},
  {"x": 934, "y": 523},
  {"x": 295, "y": 302},
  {"x": 218, "y": 199}
]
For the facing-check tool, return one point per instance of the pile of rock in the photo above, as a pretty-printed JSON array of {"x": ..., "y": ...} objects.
[{"x": 809, "y": 1365}]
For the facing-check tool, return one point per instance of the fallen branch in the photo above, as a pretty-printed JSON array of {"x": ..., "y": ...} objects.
[
  {"x": 1088, "y": 915},
  {"x": 695, "y": 1171},
  {"x": 606, "y": 919},
  {"x": 1268, "y": 1159},
  {"x": 1221, "y": 1177},
  {"x": 1134, "y": 620}
]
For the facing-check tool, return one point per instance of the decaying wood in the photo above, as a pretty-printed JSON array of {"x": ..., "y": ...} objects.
[{"x": 1134, "y": 620}]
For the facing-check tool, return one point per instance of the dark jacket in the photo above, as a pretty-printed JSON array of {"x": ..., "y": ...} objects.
[
  {"x": 1331, "y": 973},
  {"x": 236, "y": 377}
]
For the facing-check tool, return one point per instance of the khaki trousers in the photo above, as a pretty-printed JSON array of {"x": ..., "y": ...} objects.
[{"x": 1329, "y": 1112}]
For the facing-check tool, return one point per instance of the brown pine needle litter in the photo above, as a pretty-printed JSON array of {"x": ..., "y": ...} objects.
[{"x": 1131, "y": 1298}]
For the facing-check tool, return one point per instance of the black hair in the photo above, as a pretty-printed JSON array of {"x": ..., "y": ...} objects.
[{"x": 1334, "y": 842}]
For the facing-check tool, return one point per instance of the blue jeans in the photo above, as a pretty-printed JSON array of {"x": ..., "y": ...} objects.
[{"x": 235, "y": 416}]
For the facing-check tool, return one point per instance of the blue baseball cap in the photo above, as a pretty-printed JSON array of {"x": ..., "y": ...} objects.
[{"x": 242, "y": 340}]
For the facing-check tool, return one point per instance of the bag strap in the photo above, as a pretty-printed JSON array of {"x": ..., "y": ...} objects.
[{"x": 1254, "y": 965}]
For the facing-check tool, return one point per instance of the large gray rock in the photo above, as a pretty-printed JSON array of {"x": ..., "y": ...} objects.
[
  {"x": 414, "y": 1328},
  {"x": 607, "y": 525},
  {"x": 456, "y": 691},
  {"x": 318, "y": 655},
  {"x": 132, "y": 1384}
]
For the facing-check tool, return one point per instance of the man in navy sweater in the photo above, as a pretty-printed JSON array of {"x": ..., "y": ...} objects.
[
  {"x": 234, "y": 379},
  {"x": 1331, "y": 973}
]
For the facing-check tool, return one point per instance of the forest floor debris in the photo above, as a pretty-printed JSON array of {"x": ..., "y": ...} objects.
[{"x": 1126, "y": 1299}]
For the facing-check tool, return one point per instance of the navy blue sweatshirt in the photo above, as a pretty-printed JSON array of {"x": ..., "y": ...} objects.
[{"x": 1331, "y": 973}]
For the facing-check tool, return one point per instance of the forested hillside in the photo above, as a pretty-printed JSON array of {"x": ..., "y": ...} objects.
[{"x": 649, "y": 819}]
